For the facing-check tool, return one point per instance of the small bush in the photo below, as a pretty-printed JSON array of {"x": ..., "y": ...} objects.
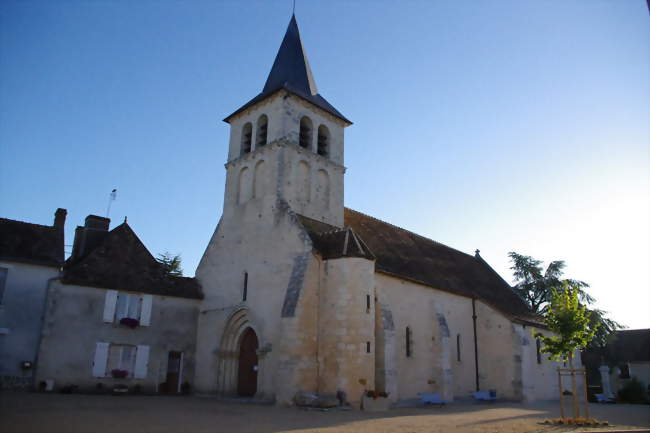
[
  {"x": 374, "y": 394},
  {"x": 633, "y": 392}
]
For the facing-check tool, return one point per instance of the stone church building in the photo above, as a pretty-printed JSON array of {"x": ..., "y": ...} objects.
[{"x": 304, "y": 294}]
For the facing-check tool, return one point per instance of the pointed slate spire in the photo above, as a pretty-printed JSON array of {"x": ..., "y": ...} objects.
[
  {"x": 292, "y": 73},
  {"x": 291, "y": 67}
]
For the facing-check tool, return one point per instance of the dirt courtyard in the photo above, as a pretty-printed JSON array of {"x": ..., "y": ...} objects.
[{"x": 57, "y": 413}]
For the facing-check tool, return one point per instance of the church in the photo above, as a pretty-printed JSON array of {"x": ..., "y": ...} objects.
[{"x": 301, "y": 294}]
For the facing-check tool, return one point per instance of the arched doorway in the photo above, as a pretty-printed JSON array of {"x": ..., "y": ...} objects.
[{"x": 248, "y": 364}]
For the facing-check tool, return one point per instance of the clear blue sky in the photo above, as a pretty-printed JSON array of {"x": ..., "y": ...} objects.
[{"x": 499, "y": 125}]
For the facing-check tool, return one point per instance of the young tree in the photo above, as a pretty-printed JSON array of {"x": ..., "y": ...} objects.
[
  {"x": 570, "y": 322},
  {"x": 171, "y": 264},
  {"x": 572, "y": 327}
]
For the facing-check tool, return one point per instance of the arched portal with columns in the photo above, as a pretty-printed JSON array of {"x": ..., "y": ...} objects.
[{"x": 238, "y": 328}]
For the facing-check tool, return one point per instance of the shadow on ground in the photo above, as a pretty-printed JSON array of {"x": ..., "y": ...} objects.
[{"x": 56, "y": 413}]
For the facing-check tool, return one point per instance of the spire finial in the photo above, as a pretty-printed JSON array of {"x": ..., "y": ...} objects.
[{"x": 293, "y": 12}]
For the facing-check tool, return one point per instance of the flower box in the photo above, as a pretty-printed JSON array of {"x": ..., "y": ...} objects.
[
  {"x": 373, "y": 401},
  {"x": 119, "y": 374},
  {"x": 128, "y": 321}
]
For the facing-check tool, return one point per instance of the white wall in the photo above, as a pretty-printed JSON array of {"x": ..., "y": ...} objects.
[
  {"x": 21, "y": 313},
  {"x": 74, "y": 323},
  {"x": 506, "y": 350}
]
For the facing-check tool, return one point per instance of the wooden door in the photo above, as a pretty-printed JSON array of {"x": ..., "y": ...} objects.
[
  {"x": 173, "y": 371},
  {"x": 247, "y": 377}
]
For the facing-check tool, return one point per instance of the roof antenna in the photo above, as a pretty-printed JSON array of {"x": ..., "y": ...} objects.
[{"x": 111, "y": 199}]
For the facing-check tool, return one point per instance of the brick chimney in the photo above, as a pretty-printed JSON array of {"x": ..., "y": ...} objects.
[
  {"x": 90, "y": 236},
  {"x": 59, "y": 218}
]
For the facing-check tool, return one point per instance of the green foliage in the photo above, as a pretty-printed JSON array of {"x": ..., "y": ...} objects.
[
  {"x": 171, "y": 264},
  {"x": 633, "y": 392},
  {"x": 605, "y": 328},
  {"x": 570, "y": 322},
  {"x": 534, "y": 286}
]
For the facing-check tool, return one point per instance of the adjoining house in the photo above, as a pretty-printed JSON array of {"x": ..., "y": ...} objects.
[
  {"x": 31, "y": 256},
  {"x": 626, "y": 356},
  {"x": 303, "y": 294},
  {"x": 115, "y": 317}
]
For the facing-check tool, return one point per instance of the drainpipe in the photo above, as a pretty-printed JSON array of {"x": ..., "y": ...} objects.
[{"x": 475, "y": 342}]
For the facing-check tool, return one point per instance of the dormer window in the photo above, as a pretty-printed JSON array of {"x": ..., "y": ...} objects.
[
  {"x": 305, "y": 132},
  {"x": 323, "y": 140},
  {"x": 246, "y": 138},
  {"x": 262, "y": 130}
]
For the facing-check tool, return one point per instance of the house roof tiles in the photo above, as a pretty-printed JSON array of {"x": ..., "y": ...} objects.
[
  {"x": 122, "y": 262},
  {"x": 31, "y": 243}
]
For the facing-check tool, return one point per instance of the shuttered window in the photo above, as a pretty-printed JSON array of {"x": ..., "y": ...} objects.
[
  {"x": 121, "y": 357},
  {"x": 111, "y": 359},
  {"x": 119, "y": 305},
  {"x": 128, "y": 305}
]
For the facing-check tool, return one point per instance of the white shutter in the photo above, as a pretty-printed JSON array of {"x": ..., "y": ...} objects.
[
  {"x": 122, "y": 306},
  {"x": 109, "y": 305},
  {"x": 145, "y": 314},
  {"x": 141, "y": 362},
  {"x": 101, "y": 357}
]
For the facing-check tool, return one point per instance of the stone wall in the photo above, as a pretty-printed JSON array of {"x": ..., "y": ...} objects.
[
  {"x": 346, "y": 328},
  {"x": 442, "y": 347},
  {"x": 311, "y": 184},
  {"x": 264, "y": 239}
]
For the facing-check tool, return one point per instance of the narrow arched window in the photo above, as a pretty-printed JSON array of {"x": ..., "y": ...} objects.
[
  {"x": 458, "y": 347},
  {"x": 538, "y": 345},
  {"x": 262, "y": 130},
  {"x": 323, "y": 140},
  {"x": 245, "y": 291},
  {"x": 246, "y": 138},
  {"x": 408, "y": 342},
  {"x": 306, "y": 129}
]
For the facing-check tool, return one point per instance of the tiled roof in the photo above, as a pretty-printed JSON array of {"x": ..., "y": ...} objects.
[
  {"x": 630, "y": 345},
  {"x": 122, "y": 262},
  {"x": 333, "y": 242},
  {"x": 291, "y": 72},
  {"x": 31, "y": 243},
  {"x": 407, "y": 255}
]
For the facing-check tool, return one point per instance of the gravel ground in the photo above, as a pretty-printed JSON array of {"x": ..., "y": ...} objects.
[{"x": 57, "y": 413}]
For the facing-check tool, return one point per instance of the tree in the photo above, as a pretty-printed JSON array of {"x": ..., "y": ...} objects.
[
  {"x": 570, "y": 322},
  {"x": 534, "y": 286},
  {"x": 171, "y": 264},
  {"x": 572, "y": 328}
]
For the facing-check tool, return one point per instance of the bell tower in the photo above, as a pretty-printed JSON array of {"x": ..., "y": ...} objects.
[{"x": 287, "y": 143}]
